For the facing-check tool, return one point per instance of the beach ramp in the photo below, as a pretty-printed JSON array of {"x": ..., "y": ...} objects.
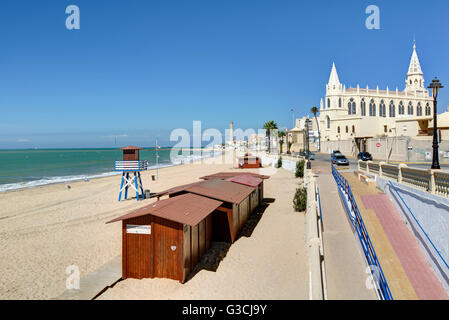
[{"x": 95, "y": 282}]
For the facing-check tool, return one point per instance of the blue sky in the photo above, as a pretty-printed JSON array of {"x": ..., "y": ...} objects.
[{"x": 138, "y": 69}]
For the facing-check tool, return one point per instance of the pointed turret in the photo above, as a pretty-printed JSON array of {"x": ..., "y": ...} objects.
[
  {"x": 415, "y": 79},
  {"x": 333, "y": 79}
]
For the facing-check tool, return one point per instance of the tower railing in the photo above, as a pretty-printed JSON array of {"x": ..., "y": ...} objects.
[{"x": 131, "y": 165}]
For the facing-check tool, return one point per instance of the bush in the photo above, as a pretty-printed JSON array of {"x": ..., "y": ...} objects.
[
  {"x": 279, "y": 162},
  {"x": 299, "y": 169},
  {"x": 300, "y": 200}
]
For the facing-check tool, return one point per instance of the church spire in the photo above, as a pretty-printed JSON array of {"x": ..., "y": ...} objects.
[
  {"x": 414, "y": 67},
  {"x": 333, "y": 79},
  {"x": 414, "y": 80}
]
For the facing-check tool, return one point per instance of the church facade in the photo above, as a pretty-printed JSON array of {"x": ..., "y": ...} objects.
[{"x": 358, "y": 114}]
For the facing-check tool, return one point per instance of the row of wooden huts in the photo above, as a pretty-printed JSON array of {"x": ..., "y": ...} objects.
[{"x": 167, "y": 238}]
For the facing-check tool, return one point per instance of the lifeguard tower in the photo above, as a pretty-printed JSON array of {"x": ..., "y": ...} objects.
[{"x": 130, "y": 165}]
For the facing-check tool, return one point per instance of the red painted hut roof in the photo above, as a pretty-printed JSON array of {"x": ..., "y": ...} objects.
[
  {"x": 131, "y": 148},
  {"x": 227, "y": 175},
  {"x": 187, "y": 208},
  {"x": 217, "y": 189},
  {"x": 246, "y": 180}
]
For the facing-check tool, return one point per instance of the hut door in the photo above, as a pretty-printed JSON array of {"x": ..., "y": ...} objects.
[
  {"x": 137, "y": 246},
  {"x": 167, "y": 259}
]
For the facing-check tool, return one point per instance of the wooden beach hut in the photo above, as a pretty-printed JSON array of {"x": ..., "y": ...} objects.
[
  {"x": 166, "y": 239},
  {"x": 234, "y": 211},
  {"x": 230, "y": 175},
  {"x": 256, "y": 197},
  {"x": 248, "y": 162}
]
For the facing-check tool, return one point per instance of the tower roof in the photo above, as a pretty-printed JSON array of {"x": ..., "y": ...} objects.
[
  {"x": 333, "y": 79},
  {"x": 414, "y": 67}
]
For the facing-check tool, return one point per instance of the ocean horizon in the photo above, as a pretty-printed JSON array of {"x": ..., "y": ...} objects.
[{"x": 27, "y": 168}]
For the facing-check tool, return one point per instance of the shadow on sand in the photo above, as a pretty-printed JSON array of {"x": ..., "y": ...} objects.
[{"x": 218, "y": 250}]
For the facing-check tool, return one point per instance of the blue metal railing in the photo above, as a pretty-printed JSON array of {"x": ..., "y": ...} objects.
[{"x": 362, "y": 233}]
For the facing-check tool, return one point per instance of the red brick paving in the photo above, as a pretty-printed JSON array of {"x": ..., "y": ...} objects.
[{"x": 406, "y": 247}]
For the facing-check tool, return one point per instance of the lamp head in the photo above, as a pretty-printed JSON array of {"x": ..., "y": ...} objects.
[{"x": 435, "y": 86}]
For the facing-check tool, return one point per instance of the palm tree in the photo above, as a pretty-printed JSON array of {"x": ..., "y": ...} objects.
[
  {"x": 281, "y": 135},
  {"x": 315, "y": 110},
  {"x": 269, "y": 126}
]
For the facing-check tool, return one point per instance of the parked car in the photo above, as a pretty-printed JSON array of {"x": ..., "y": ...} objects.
[
  {"x": 340, "y": 160},
  {"x": 304, "y": 154},
  {"x": 364, "y": 156},
  {"x": 336, "y": 152}
]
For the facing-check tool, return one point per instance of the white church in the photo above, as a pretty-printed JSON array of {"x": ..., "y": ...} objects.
[{"x": 361, "y": 113}]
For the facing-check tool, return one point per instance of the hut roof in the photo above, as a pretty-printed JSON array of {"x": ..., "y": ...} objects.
[
  {"x": 246, "y": 180},
  {"x": 187, "y": 208},
  {"x": 218, "y": 189},
  {"x": 227, "y": 175},
  {"x": 131, "y": 148}
]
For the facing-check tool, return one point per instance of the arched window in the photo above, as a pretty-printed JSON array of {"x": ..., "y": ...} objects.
[
  {"x": 347, "y": 130},
  {"x": 382, "y": 109},
  {"x": 328, "y": 103},
  {"x": 351, "y": 106},
  {"x": 353, "y": 129},
  {"x": 410, "y": 108},
  {"x": 363, "y": 107},
  {"x": 339, "y": 102},
  {"x": 372, "y": 108},
  {"x": 328, "y": 122},
  {"x": 419, "y": 110},
  {"x": 401, "y": 108},
  {"x": 428, "y": 110},
  {"x": 392, "y": 109}
]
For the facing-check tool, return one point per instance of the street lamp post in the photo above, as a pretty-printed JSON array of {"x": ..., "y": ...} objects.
[
  {"x": 435, "y": 86},
  {"x": 309, "y": 165}
]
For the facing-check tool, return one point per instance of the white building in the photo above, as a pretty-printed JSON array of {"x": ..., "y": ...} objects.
[{"x": 361, "y": 113}]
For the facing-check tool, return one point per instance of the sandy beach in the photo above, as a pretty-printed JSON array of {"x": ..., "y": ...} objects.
[{"x": 44, "y": 230}]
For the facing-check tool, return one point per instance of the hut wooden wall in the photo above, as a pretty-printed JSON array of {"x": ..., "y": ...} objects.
[
  {"x": 197, "y": 240},
  {"x": 136, "y": 250}
]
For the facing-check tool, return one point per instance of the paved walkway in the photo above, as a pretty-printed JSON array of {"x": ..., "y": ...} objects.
[
  {"x": 95, "y": 282},
  {"x": 345, "y": 266},
  {"x": 405, "y": 266}
]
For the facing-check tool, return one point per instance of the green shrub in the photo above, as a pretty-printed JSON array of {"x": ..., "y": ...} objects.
[
  {"x": 299, "y": 169},
  {"x": 300, "y": 200},
  {"x": 279, "y": 162}
]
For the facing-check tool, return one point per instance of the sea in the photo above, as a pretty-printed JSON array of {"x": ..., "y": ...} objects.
[{"x": 36, "y": 167}]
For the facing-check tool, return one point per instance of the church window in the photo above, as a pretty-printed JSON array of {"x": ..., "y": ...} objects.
[
  {"x": 401, "y": 108},
  {"x": 328, "y": 103},
  {"x": 339, "y": 102},
  {"x": 372, "y": 108},
  {"x": 353, "y": 129},
  {"x": 328, "y": 122},
  {"x": 392, "y": 109},
  {"x": 419, "y": 109},
  {"x": 427, "y": 110},
  {"x": 338, "y": 129},
  {"x": 363, "y": 107},
  {"x": 347, "y": 130},
  {"x": 351, "y": 107},
  {"x": 410, "y": 108},
  {"x": 382, "y": 109}
]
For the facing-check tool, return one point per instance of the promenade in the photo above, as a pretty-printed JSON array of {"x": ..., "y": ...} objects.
[
  {"x": 346, "y": 275},
  {"x": 407, "y": 271}
]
